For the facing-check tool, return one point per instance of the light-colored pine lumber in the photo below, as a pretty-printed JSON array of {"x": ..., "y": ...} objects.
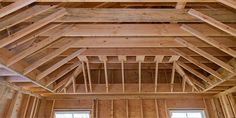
[
  {"x": 84, "y": 76},
  {"x": 185, "y": 76},
  {"x": 196, "y": 73},
  {"x": 59, "y": 64},
  {"x": 230, "y": 3},
  {"x": 206, "y": 55},
  {"x": 156, "y": 77},
  {"x": 48, "y": 57},
  {"x": 122, "y": 59},
  {"x": 31, "y": 28},
  {"x": 180, "y": 5},
  {"x": 89, "y": 76},
  {"x": 209, "y": 40},
  {"x": 14, "y": 106},
  {"x": 24, "y": 15},
  {"x": 14, "y": 7},
  {"x": 213, "y": 22},
  {"x": 172, "y": 77},
  {"x": 35, "y": 47},
  {"x": 197, "y": 63}
]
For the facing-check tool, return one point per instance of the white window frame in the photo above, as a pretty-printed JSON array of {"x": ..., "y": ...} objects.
[
  {"x": 72, "y": 112},
  {"x": 187, "y": 111}
]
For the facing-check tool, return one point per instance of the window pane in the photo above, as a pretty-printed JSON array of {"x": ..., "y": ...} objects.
[
  {"x": 179, "y": 115},
  {"x": 187, "y": 114},
  {"x": 72, "y": 114},
  {"x": 194, "y": 115}
]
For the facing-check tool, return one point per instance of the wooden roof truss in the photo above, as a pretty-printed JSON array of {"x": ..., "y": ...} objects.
[{"x": 56, "y": 49}]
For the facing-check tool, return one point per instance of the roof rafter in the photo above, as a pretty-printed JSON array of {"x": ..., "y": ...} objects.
[
  {"x": 209, "y": 40},
  {"x": 196, "y": 73},
  {"x": 197, "y": 63},
  {"x": 14, "y": 7},
  {"x": 62, "y": 73},
  {"x": 230, "y": 3},
  {"x": 213, "y": 22},
  {"x": 206, "y": 55},
  {"x": 17, "y": 68},
  {"x": 31, "y": 28},
  {"x": 185, "y": 76},
  {"x": 48, "y": 57},
  {"x": 37, "y": 46},
  {"x": 59, "y": 64},
  {"x": 22, "y": 16}
]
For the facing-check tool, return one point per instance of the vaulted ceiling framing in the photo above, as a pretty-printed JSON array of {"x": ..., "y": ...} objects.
[{"x": 140, "y": 48}]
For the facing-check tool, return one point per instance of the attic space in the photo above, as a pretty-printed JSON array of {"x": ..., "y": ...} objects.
[{"x": 117, "y": 59}]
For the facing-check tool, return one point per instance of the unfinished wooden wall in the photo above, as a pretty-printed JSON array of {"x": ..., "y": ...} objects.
[
  {"x": 15, "y": 104},
  {"x": 224, "y": 106},
  {"x": 132, "y": 108}
]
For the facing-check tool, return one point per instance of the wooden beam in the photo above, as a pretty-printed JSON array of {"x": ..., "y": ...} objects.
[
  {"x": 174, "y": 58},
  {"x": 61, "y": 96},
  {"x": 62, "y": 73},
  {"x": 59, "y": 64},
  {"x": 122, "y": 59},
  {"x": 157, "y": 109},
  {"x": 52, "y": 109},
  {"x": 172, "y": 77},
  {"x": 24, "y": 15},
  {"x": 213, "y": 22},
  {"x": 26, "y": 106},
  {"x": 135, "y": 43},
  {"x": 183, "y": 74},
  {"x": 48, "y": 57},
  {"x": 197, "y": 63},
  {"x": 72, "y": 78},
  {"x": 140, "y": 59},
  {"x": 159, "y": 58},
  {"x": 209, "y": 40},
  {"x": 138, "y": 30},
  {"x": 206, "y": 55},
  {"x": 141, "y": 108},
  {"x": 37, "y": 46},
  {"x": 180, "y": 5},
  {"x": 89, "y": 76},
  {"x": 226, "y": 105},
  {"x": 112, "y": 109},
  {"x": 32, "y": 28},
  {"x": 230, "y": 3},
  {"x": 33, "y": 107},
  {"x": 14, "y": 7},
  {"x": 109, "y": 15},
  {"x": 104, "y": 60},
  {"x": 31, "y": 77},
  {"x": 127, "y": 108},
  {"x": 156, "y": 76},
  {"x": 196, "y": 73},
  {"x": 232, "y": 102},
  {"x": 85, "y": 77},
  {"x": 14, "y": 106},
  {"x": 140, "y": 1},
  {"x": 36, "y": 108},
  {"x": 228, "y": 91}
]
